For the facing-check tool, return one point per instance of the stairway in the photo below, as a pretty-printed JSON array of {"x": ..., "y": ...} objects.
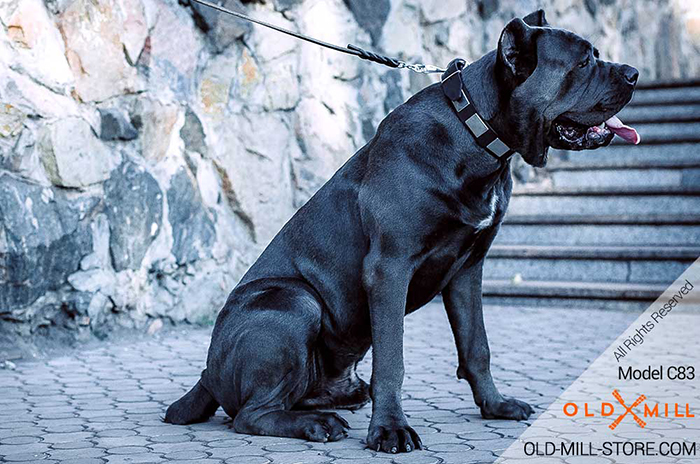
[{"x": 610, "y": 228}]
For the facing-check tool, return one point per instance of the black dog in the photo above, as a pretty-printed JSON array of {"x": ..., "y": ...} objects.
[{"x": 410, "y": 215}]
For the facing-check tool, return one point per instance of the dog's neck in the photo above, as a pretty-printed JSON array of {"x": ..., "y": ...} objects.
[
  {"x": 480, "y": 83},
  {"x": 500, "y": 108},
  {"x": 480, "y": 79}
]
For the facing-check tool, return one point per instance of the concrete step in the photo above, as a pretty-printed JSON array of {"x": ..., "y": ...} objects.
[
  {"x": 667, "y": 132},
  {"x": 663, "y": 113},
  {"x": 666, "y": 96},
  {"x": 589, "y": 263},
  {"x": 614, "y": 163},
  {"x": 571, "y": 294},
  {"x": 600, "y": 230},
  {"x": 607, "y": 176},
  {"x": 668, "y": 84},
  {"x": 606, "y": 200},
  {"x": 644, "y": 155}
]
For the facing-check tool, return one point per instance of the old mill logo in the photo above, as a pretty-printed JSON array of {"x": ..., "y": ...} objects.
[{"x": 607, "y": 409}]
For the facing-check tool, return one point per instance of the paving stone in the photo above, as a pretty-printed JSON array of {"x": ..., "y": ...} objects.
[
  {"x": 65, "y": 437},
  {"x": 147, "y": 458},
  {"x": 61, "y": 455},
  {"x": 159, "y": 430},
  {"x": 185, "y": 455},
  {"x": 21, "y": 440},
  {"x": 26, "y": 457},
  {"x": 213, "y": 435},
  {"x": 248, "y": 460},
  {"x": 450, "y": 448},
  {"x": 73, "y": 445},
  {"x": 116, "y": 433},
  {"x": 114, "y": 425},
  {"x": 25, "y": 448},
  {"x": 172, "y": 447},
  {"x": 170, "y": 439},
  {"x": 205, "y": 461},
  {"x": 350, "y": 453},
  {"x": 307, "y": 457},
  {"x": 286, "y": 447},
  {"x": 127, "y": 450},
  {"x": 82, "y": 461},
  {"x": 416, "y": 457},
  {"x": 232, "y": 443},
  {"x": 15, "y": 424},
  {"x": 118, "y": 442},
  {"x": 473, "y": 456},
  {"x": 226, "y": 453}
]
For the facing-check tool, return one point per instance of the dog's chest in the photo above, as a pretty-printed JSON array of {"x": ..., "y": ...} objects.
[
  {"x": 489, "y": 213},
  {"x": 456, "y": 245}
]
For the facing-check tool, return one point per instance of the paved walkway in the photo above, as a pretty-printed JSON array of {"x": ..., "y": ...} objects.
[{"x": 105, "y": 405}]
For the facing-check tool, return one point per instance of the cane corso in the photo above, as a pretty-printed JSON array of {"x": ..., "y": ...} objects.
[{"x": 410, "y": 215}]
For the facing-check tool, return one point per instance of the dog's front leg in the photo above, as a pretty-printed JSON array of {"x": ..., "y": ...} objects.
[
  {"x": 462, "y": 298},
  {"x": 386, "y": 284}
]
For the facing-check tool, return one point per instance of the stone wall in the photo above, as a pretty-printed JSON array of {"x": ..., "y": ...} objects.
[{"x": 149, "y": 149}]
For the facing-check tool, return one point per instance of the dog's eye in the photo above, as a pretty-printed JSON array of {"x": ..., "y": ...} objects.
[{"x": 584, "y": 63}]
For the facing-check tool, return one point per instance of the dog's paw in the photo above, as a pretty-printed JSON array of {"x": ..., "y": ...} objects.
[
  {"x": 507, "y": 408},
  {"x": 325, "y": 426},
  {"x": 393, "y": 438}
]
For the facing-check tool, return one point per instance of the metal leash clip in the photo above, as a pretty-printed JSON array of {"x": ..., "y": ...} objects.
[{"x": 421, "y": 68}]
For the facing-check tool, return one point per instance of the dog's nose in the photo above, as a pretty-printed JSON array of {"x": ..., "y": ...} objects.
[{"x": 631, "y": 74}]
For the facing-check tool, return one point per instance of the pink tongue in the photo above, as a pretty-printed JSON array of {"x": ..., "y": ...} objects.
[{"x": 626, "y": 132}]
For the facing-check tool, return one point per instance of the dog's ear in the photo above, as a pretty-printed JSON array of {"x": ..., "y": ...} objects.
[
  {"x": 536, "y": 18},
  {"x": 517, "y": 52}
]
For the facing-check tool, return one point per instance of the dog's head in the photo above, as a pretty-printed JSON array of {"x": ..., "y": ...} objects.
[{"x": 558, "y": 91}]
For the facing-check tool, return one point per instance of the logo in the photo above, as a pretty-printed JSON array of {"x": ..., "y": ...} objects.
[
  {"x": 607, "y": 409},
  {"x": 628, "y": 410}
]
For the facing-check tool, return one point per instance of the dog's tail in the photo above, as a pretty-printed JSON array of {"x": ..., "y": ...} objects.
[{"x": 196, "y": 406}]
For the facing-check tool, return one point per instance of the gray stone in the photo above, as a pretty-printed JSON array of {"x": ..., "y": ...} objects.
[
  {"x": 192, "y": 133},
  {"x": 394, "y": 94},
  {"x": 156, "y": 124},
  {"x": 11, "y": 121},
  {"x": 73, "y": 156},
  {"x": 441, "y": 10},
  {"x": 284, "y": 5},
  {"x": 370, "y": 15},
  {"x": 115, "y": 126},
  {"x": 193, "y": 229},
  {"x": 487, "y": 8},
  {"x": 43, "y": 237},
  {"x": 134, "y": 207},
  {"x": 94, "y": 34},
  {"x": 668, "y": 61},
  {"x": 222, "y": 30}
]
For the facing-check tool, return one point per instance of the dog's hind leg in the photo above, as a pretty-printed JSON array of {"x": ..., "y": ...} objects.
[
  {"x": 262, "y": 362},
  {"x": 273, "y": 418},
  {"x": 196, "y": 406},
  {"x": 346, "y": 391},
  {"x": 272, "y": 380}
]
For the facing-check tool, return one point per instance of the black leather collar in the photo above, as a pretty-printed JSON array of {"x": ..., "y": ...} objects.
[{"x": 455, "y": 90}]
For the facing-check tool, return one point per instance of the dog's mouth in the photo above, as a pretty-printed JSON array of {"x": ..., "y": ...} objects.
[{"x": 570, "y": 135}]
